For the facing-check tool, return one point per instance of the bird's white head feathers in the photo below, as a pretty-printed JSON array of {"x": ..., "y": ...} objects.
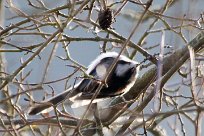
[{"x": 107, "y": 55}]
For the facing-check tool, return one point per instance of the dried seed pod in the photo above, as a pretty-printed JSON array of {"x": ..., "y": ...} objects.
[{"x": 105, "y": 18}]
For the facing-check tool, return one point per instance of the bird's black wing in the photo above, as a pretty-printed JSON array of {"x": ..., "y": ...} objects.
[{"x": 88, "y": 86}]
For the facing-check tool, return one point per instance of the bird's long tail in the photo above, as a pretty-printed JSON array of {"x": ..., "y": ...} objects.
[{"x": 45, "y": 105}]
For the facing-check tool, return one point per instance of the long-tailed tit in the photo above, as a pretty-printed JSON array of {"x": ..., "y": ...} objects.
[{"x": 120, "y": 81}]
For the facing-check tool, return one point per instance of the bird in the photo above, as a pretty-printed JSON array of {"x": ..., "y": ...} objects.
[{"x": 121, "y": 79}]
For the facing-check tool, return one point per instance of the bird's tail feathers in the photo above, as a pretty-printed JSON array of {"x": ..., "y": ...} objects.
[
  {"x": 39, "y": 108},
  {"x": 45, "y": 105}
]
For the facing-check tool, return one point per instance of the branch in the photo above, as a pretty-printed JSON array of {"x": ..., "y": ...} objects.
[{"x": 170, "y": 65}]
